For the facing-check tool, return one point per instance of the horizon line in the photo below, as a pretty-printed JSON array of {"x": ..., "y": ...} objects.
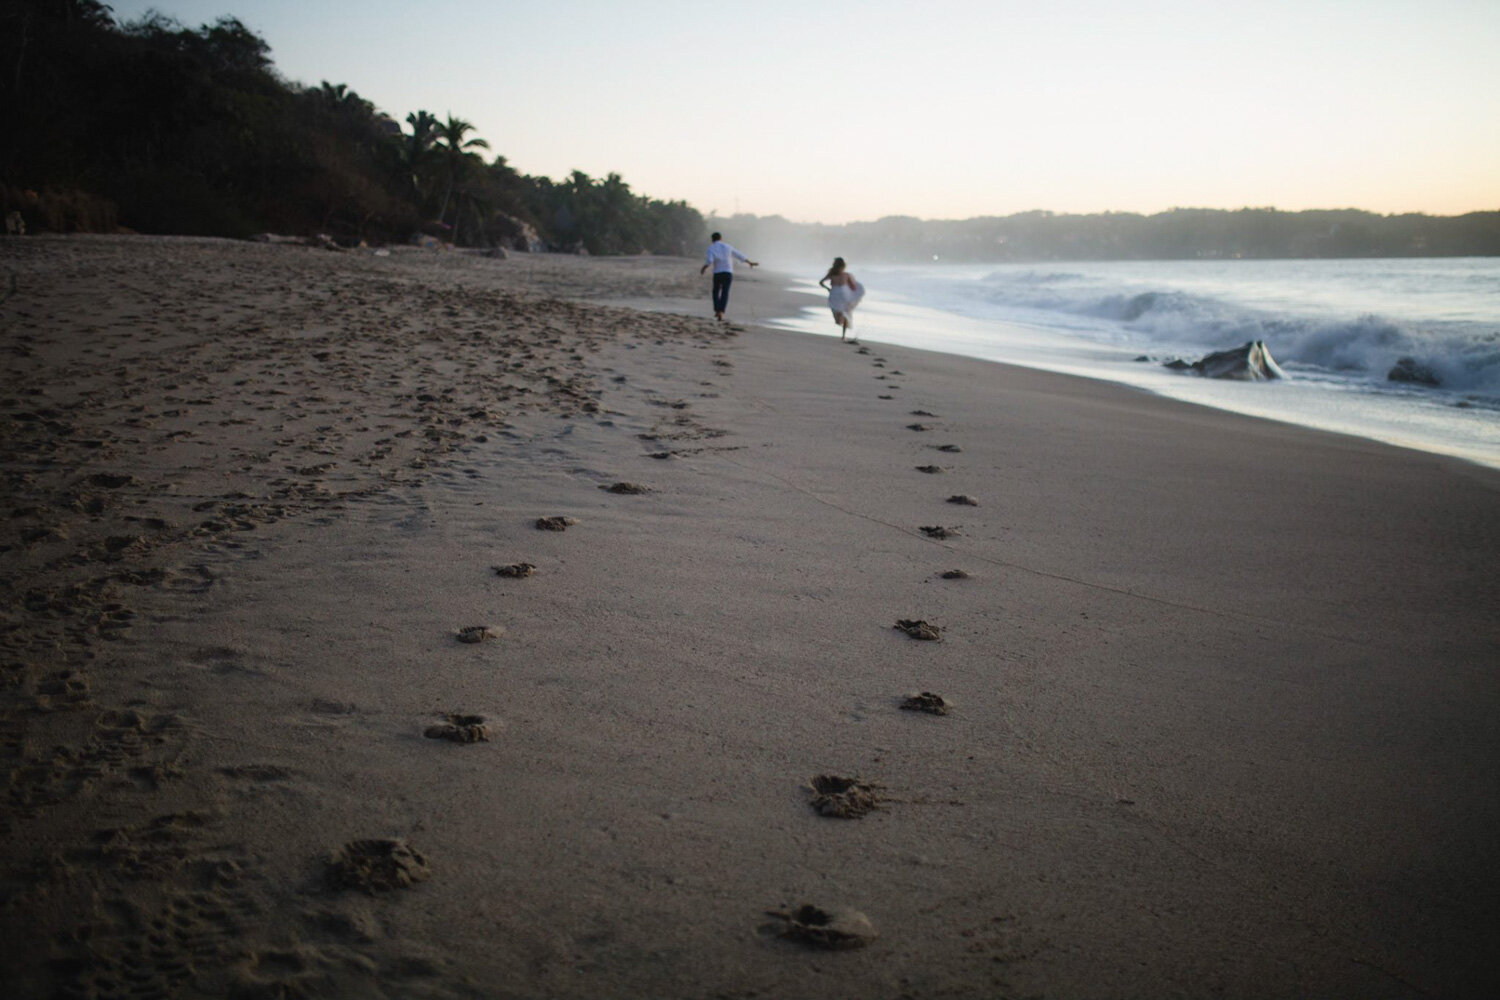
[{"x": 714, "y": 214}]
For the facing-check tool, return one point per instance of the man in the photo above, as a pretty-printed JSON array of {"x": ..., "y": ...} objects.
[{"x": 721, "y": 257}]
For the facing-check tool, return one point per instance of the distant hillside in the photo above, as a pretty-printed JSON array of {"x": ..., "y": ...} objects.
[
  {"x": 164, "y": 129},
  {"x": 1179, "y": 234}
]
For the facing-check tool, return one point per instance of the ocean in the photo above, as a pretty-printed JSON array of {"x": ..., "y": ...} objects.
[{"x": 1336, "y": 328}]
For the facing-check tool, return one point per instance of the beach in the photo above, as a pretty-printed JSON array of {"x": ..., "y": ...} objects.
[{"x": 1220, "y": 693}]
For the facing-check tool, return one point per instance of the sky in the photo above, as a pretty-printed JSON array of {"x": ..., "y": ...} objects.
[{"x": 939, "y": 109}]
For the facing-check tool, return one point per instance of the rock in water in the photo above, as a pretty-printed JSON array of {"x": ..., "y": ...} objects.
[
  {"x": 1250, "y": 363},
  {"x": 1409, "y": 370}
]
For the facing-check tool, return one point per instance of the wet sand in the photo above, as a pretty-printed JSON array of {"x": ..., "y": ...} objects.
[{"x": 1218, "y": 694}]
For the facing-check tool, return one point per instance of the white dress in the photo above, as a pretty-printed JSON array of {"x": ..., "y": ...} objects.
[{"x": 843, "y": 298}]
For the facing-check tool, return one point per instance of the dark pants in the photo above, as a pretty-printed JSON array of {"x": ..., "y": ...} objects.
[{"x": 721, "y": 290}]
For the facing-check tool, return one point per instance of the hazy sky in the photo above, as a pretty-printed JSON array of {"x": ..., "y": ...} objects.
[{"x": 937, "y": 108}]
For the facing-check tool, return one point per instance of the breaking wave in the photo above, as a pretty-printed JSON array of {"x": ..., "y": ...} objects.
[{"x": 1320, "y": 323}]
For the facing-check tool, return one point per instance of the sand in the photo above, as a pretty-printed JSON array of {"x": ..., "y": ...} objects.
[{"x": 1219, "y": 693}]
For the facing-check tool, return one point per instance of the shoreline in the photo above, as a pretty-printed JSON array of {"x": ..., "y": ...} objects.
[
  {"x": 1218, "y": 723},
  {"x": 1443, "y": 424}
]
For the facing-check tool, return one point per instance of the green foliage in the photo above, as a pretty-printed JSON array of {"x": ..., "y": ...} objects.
[
  {"x": 606, "y": 217},
  {"x": 166, "y": 129}
]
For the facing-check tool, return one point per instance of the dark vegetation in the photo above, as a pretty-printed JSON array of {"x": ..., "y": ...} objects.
[
  {"x": 1183, "y": 233},
  {"x": 159, "y": 128}
]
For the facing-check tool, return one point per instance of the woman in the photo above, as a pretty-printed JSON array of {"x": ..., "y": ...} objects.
[{"x": 844, "y": 294}]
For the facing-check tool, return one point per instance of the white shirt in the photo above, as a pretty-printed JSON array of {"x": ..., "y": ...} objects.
[{"x": 722, "y": 256}]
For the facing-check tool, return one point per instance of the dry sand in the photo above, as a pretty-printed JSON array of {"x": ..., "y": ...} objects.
[{"x": 1222, "y": 693}]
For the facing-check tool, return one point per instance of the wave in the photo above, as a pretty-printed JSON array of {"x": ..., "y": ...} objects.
[{"x": 1464, "y": 355}]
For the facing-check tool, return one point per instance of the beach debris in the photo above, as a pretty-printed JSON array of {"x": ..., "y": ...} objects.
[
  {"x": 555, "y": 523},
  {"x": 932, "y": 704},
  {"x": 937, "y": 531},
  {"x": 963, "y": 499},
  {"x": 839, "y": 797},
  {"x": 1250, "y": 363},
  {"x": 950, "y": 448},
  {"x": 480, "y": 633},
  {"x": 459, "y": 728},
  {"x": 931, "y": 470},
  {"x": 832, "y": 930},
  {"x": 918, "y": 427},
  {"x": 627, "y": 488},
  {"x": 1410, "y": 370},
  {"x": 919, "y": 629},
  {"x": 955, "y": 574},
  {"x": 377, "y": 866},
  {"x": 515, "y": 571}
]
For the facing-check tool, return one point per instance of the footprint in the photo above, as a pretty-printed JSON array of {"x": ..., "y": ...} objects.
[
  {"x": 885, "y": 397},
  {"x": 923, "y": 413},
  {"x": 950, "y": 448},
  {"x": 937, "y": 531},
  {"x": 955, "y": 574},
  {"x": 932, "y": 704},
  {"x": 376, "y": 865},
  {"x": 515, "y": 571},
  {"x": 63, "y": 690},
  {"x": 479, "y": 633},
  {"x": 918, "y": 427},
  {"x": 833, "y": 930},
  {"x": 631, "y": 489},
  {"x": 919, "y": 629},
  {"x": 459, "y": 729},
  {"x": 556, "y": 523},
  {"x": 931, "y": 470},
  {"x": 839, "y": 797},
  {"x": 258, "y": 772},
  {"x": 964, "y": 499}
]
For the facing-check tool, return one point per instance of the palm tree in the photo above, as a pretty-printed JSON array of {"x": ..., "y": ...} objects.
[
  {"x": 451, "y": 134},
  {"x": 417, "y": 145}
]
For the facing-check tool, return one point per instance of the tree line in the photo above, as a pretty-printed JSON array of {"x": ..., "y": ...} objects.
[
  {"x": 159, "y": 128},
  {"x": 1181, "y": 233}
]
